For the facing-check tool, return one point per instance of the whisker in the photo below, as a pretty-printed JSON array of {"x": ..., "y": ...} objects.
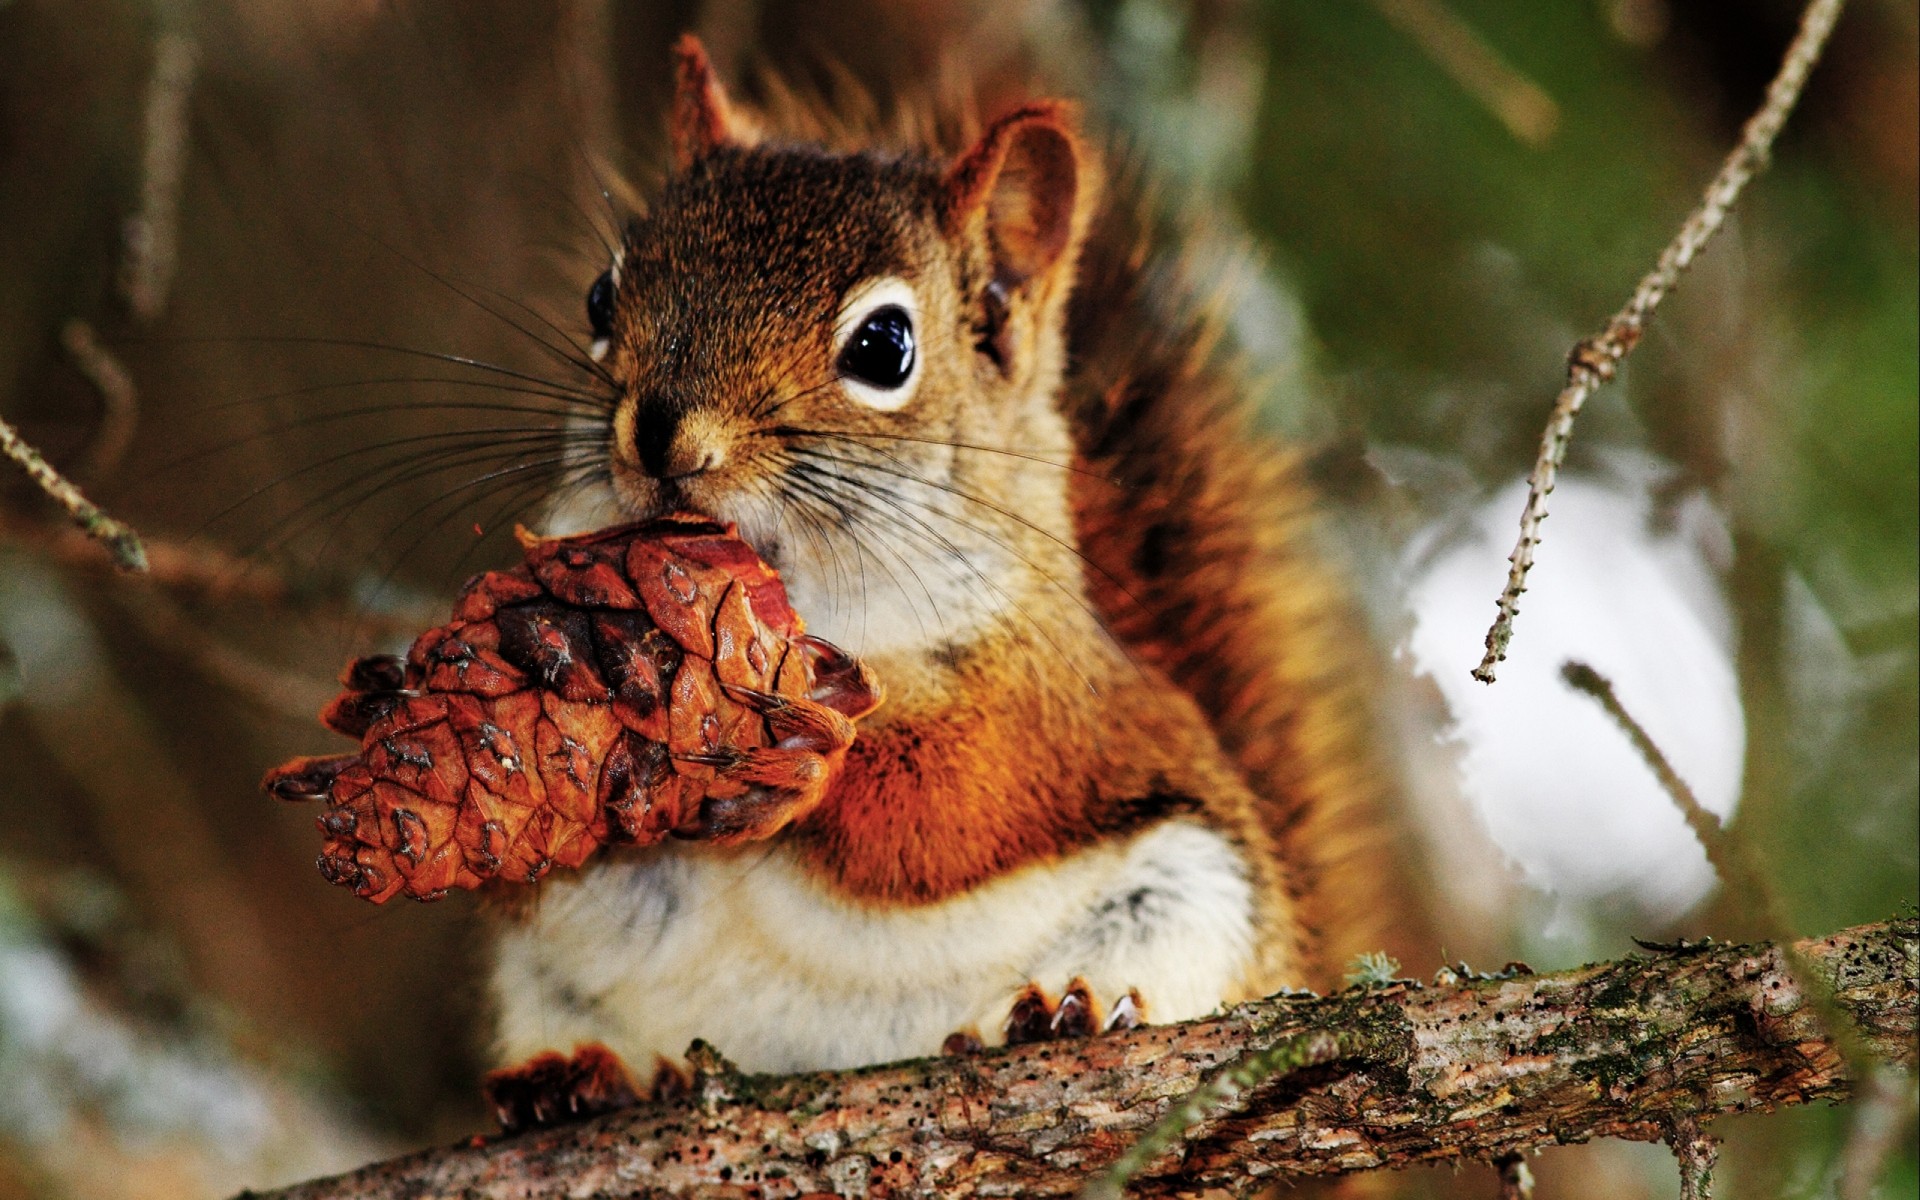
[
  {"x": 458, "y": 360},
  {"x": 483, "y": 437},
  {"x": 823, "y": 495},
  {"x": 486, "y": 479},
  {"x": 571, "y": 401},
  {"x": 449, "y": 282},
  {"x": 517, "y": 495},
  {"x": 859, "y": 435},
  {"x": 914, "y": 477},
  {"x": 861, "y": 493},
  {"x": 315, "y": 419}
]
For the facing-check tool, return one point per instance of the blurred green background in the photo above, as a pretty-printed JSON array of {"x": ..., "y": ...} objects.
[{"x": 1429, "y": 201}]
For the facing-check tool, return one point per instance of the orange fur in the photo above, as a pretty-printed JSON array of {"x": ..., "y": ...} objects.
[{"x": 1178, "y": 645}]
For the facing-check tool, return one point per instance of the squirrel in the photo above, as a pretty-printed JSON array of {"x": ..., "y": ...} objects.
[{"x": 1124, "y": 768}]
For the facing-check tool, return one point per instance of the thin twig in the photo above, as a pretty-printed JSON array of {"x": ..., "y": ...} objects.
[
  {"x": 1519, "y": 103},
  {"x": 1595, "y": 360},
  {"x": 152, "y": 242},
  {"x": 1516, "y": 1177},
  {"x": 1219, "y": 1094},
  {"x": 1883, "y": 1117},
  {"x": 118, "y": 538},
  {"x": 1697, "y": 1152},
  {"x": 119, "y": 401},
  {"x": 1733, "y": 860}
]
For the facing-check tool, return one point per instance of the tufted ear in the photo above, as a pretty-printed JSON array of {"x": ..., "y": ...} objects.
[
  {"x": 703, "y": 119},
  {"x": 1032, "y": 181}
]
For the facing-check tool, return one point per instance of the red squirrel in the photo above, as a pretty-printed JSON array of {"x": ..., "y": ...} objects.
[{"x": 1123, "y": 771}]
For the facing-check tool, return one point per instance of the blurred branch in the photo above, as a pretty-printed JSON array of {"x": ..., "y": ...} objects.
[
  {"x": 1446, "y": 1073},
  {"x": 1885, "y": 1101},
  {"x": 152, "y": 234},
  {"x": 119, "y": 539},
  {"x": 1697, "y": 1152},
  {"x": 1883, "y": 1117},
  {"x": 119, "y": 401},
  {"x": 100, "y": 1093},
  {"x": 1731, "y": 857},
  {"x": 1595, "y": 360},
  {"x": 1516, "y": 101},
  {"x": 196, "y": 568},
  {"x": 289, "y": 694},
  {"x": 1516, "y": 1177}
]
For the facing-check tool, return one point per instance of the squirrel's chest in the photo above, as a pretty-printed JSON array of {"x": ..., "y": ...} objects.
[{"x": 745, "y": 949}]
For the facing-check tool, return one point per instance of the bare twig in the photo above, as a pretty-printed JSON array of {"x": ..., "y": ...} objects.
[
  {"x": 205, "y": 572},
  {"x": 195, "y": 568},
  {"x": 1883, "y": 1116},
  {"x": 1516, "y": 101},
  {"x": 1697, "y": 1152},
  {"x": 1595, "y": 360},
  {"x": 118, "y": 538},
  {"x": 1467, "y": 1073},
  {"x": 1516, "y": 1177},
  {"x": 119, "y": 401},
  {"x": 1219, "y": 1094},
  {"x": 152, "y": 242},
  {"x": 1730, "y": 855}
]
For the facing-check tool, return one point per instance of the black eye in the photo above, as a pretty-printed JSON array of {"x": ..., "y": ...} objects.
[
  {"x": 600, "y": 305},
  {"x": 880, "y": 352}
]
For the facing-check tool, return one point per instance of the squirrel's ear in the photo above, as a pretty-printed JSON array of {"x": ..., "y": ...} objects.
[
  {"x": 703, "y": 118},
  {"x": 1029, "y": 175}
]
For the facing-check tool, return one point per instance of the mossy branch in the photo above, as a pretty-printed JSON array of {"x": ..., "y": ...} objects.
[{"x": 1479, "y": 1071}]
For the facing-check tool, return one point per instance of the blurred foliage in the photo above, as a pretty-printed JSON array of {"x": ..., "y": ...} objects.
[{"x": 389, "y": 173}]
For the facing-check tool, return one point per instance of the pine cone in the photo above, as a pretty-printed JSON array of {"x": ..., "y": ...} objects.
[{"x": 619, "y": 687}]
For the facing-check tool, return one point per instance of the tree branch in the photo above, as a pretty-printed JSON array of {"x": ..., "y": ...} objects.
[
  {"x": 1632, "y": 1049},
  {"x": 1596, "y": 359},
  {"x": 118, "y": 537}
]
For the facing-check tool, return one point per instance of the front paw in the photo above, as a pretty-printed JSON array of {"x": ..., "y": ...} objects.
[
  {"x": 755, "y": 793},
  {"x": 1036, "y": 1017},
  {"x": 553, "y": 1089}
]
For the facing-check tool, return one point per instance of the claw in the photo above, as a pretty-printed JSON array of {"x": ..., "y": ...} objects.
[
  {"x": 1078, "y": 1014},
  {"x": 1035, "y": 1018},
  {"x": 552, "y": 1089},
  {"x": 1031, "y": 1019},
  {"x": 841, "y": 682},
  {"x": 962, "y": 1044},
  {"x": 1130, "y": 1012}
]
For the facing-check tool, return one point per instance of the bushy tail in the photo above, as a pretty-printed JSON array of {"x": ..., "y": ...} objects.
[{"x": 1202, "y": 537}]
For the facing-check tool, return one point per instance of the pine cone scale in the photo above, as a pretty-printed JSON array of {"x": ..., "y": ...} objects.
[{"x": 612, "y": 690}]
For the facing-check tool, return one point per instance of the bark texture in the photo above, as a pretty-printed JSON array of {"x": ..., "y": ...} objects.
[{"x": 1473, "y": 1070}]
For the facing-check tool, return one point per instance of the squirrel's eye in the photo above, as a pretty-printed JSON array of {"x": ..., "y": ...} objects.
[
  {"x": 600, "y": 306},
  {"x": 880, "y": 352}
]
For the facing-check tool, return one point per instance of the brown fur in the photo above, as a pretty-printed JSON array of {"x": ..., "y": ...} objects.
[
  {"x": 1235, "y": 686},
  {"x": 1208, "y": 567}
]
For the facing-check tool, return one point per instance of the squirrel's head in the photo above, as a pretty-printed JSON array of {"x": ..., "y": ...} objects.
[{"x": 855, "y": 356}]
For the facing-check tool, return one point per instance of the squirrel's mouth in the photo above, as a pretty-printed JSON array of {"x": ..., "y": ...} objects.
[{"x": 643, "y": 498}]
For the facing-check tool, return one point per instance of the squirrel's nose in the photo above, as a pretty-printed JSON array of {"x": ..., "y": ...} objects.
[{"x": 677, "y": 446}]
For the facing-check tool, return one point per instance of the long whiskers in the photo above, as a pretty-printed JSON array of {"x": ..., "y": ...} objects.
[
  {"x": 861, "y": 494},
  {"x": 902, "y": 473},
  {"x": 459, "y": 360}
]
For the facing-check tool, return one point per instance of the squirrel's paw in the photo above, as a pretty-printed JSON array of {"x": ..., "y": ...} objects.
[
  {"x": 756, "y": 793},
  {"x": 1035, "y": 1017},
  {"x": 553, "y": 1089}
]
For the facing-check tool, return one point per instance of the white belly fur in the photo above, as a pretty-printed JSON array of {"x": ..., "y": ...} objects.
[{"x": 743, "y": 949}]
